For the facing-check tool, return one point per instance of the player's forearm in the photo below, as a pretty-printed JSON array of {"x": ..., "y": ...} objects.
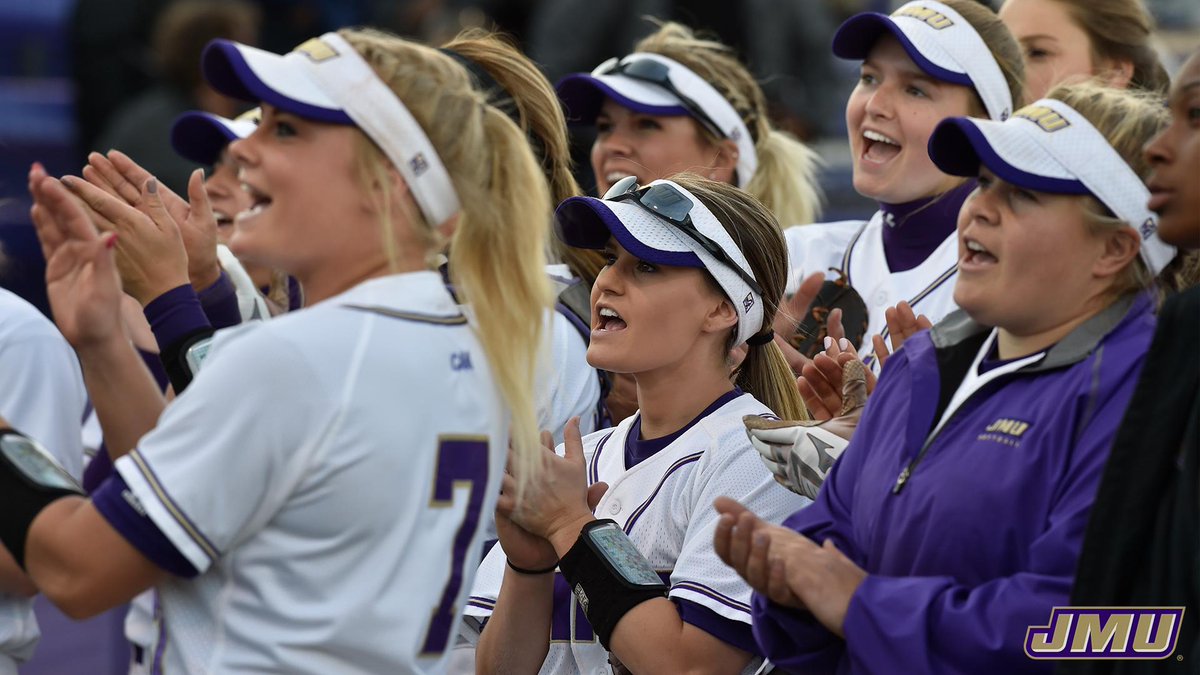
[
  {"x": 516, "y": 638},
  {"x": 127, "y": 400},
  {"x": 80, "y": 563},
  {"x": 13, "y": 579},
  {"x": 652, "y": 638}
]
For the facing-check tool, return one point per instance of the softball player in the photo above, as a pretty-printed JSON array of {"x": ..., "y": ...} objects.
[
  {"x": 44, "y": 397},
  {"x": 676, "y": 295},
  {"x": 681, "y": 103},
  {"x": 954, "y": 520},
  {"x": 338, "y": 532},
  {"x": 927, "y": 61},
  {"x": 1074, "y": 40}
]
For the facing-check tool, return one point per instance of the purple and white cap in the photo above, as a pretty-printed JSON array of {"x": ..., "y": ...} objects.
[
  {"x": 1049, "y": 147},
  {"x": 587, "y": 222},
  {"x": 201, "y": 136},
  {"x": 942, "y": 44},
  {"x": 325, "y": 79},
  {"x": 583, "y": 93}
]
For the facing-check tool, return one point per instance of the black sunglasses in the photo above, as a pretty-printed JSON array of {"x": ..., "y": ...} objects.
[
  {"x": 669, "y": 204},
  {"x": 656, "y": 72}
]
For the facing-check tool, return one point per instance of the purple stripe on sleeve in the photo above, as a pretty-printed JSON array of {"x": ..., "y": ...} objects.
[
  {"x": 175, "y": 314},
  {"x": 220, "y": 303},
  {"x": 121, "y": 508},
  {"x": 710, "y": 593},
  {"x": 729, "y": 631}
]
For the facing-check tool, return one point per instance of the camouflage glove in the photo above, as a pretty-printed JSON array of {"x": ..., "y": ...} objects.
[{"x": 801, "y": 454}]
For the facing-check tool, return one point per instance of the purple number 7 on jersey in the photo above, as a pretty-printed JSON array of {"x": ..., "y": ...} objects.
[{"x": 462, "y": 461}]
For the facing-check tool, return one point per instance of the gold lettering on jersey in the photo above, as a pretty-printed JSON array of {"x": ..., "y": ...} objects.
[
  {"x": 316, "y": 49},
  {"x": 1006, "y": 431},
  {"x": 933, "y": 18},
  {"x": 1046, "y": 118}
]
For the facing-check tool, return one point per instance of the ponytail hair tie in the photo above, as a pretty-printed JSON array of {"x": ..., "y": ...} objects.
[{"x": 761, "y": 339}]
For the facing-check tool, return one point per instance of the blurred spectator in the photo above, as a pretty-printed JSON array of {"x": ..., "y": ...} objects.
[
  {"x": 785, "y": 43},
  {"x": 141, "y": 127},
  {"x": 110, "y": 64}
]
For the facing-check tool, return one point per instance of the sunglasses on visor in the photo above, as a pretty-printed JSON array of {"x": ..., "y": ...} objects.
[
  {"x": 667, "y": 203},
  {"x": 656, "y": 72}
]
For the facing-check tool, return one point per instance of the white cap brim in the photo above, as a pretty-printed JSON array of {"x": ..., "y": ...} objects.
[
  {"x": 1049, "y": 147},
  {"x": 587, "y": 222}
]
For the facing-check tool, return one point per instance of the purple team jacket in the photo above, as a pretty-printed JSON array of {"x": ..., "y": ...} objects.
[{"x": 982, "y": 541}]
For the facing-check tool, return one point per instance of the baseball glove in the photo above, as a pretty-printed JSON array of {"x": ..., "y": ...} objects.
[
  {"x": 834, "y": 294},
  {"x": 801, "y": 454}
]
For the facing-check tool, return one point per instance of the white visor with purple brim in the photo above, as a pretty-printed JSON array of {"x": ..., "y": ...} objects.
[
  {"x": 1050, "y": 147},
  {"x": 201, "y": 136},
  {"x": 326, "y": 80},
  {"x": 587, "y": 222},
  {"x": 942, "y": 44},
  {"x": 583, "y": 94}
]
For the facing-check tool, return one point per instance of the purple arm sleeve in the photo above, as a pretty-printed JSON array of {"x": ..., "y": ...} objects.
[
  {"x": 176, "y": 314},
  {"x": 220, "y": 303},
  {"x": 118, "y": 505}
]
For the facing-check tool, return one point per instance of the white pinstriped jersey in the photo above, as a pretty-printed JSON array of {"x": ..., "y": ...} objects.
[
  {"x": 858, "y": 248},
  {"x": 326, "y": 473},
  {"x": 665, "y": 505}
]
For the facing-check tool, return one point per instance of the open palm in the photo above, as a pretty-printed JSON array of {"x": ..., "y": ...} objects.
[{"x": 81, "y": 277}]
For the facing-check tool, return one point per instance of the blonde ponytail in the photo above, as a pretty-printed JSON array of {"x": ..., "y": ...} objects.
[
  {"x": 786, "y": 180},
  {"x": 497, "y": 251},
  {"x": 498, "y": 265},
  {"x": 764, "y": 372}
]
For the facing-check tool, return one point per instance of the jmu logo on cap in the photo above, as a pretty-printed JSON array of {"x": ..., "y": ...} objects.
[
  {"x": 748, "y": 302},
  {"x": 418, "y": 164},
  {"x": 1106, "y": 633},
  {"x": 1148, "y": 228},
  {"x": 1046, "y": 118},
  {"x": 316, "y": 49},
  {"x": 932, "y": 17}
]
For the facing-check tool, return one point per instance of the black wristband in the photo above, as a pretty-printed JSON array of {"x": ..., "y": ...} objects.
[
  {"x": 174, "y": 359},
  {"x": 522, "y": 570},
  {"x": 24, "y": 498},
  {"x": 603, "y": 591}
]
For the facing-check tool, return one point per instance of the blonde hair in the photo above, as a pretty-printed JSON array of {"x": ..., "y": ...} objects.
[
  {"x": 1120, "y": 30},
  {"x": 785, "y": 181},
  {"x": 1127, "y": 119},
  {"x": 765, "y": 372},
  {"x": 497, "y": 256},
  {"x": 540, "y": 116}
]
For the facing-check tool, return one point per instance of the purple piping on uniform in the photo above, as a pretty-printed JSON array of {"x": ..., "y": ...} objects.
[
  {"x": 637, "y": 513},
  {"x": 594, "y": 469},
  {"x": 710, "y": 593},
  {"x": 161, "y": 492}
]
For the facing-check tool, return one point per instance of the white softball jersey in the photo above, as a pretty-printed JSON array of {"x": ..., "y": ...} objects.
[
  {"x": 43, "y": 397},
  {"x": 665, "y": 504},
  {"x": 326, "y": 476},
  {"x": 856, "y": 247}
]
